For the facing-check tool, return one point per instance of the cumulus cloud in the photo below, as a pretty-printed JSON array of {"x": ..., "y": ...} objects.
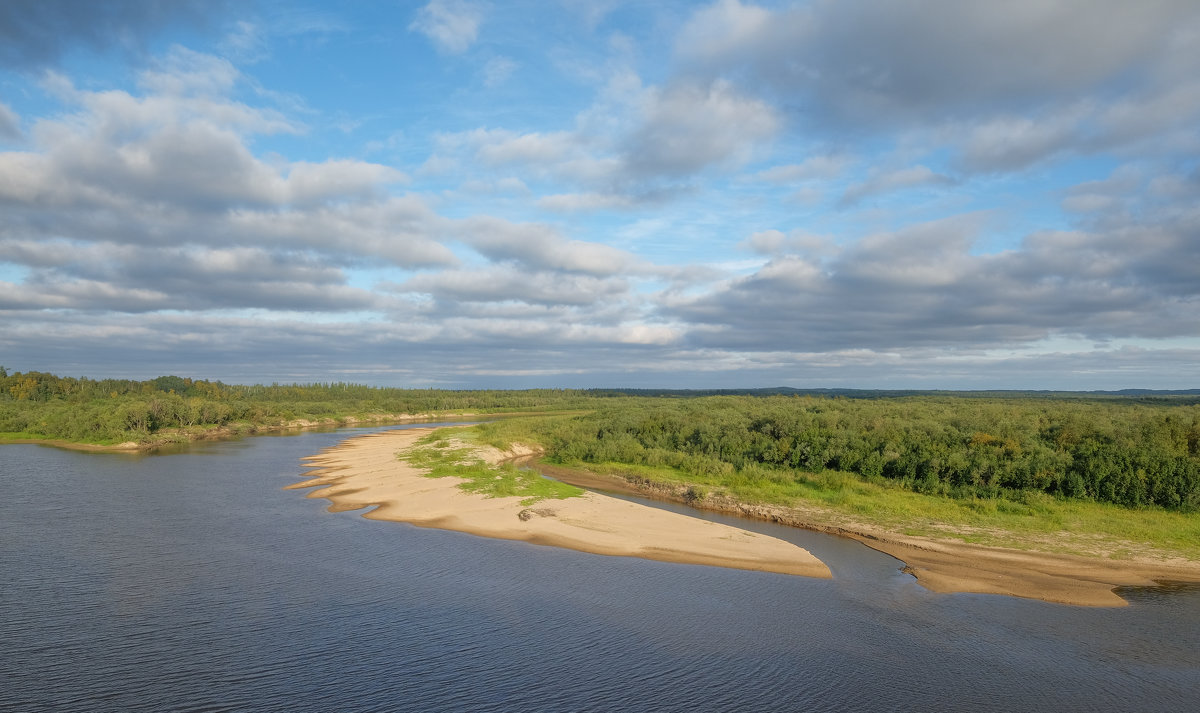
[
  {"x": 915, "y": 56},
  {"x": 150, "y": 202},
  {"x": 664, "y": 138},
  {"x": 1018, "y": 79},
  {"x": 923, "y": 286},
  {"x": 174, "y": 166},
  {"x": 688, "y": 128},
  {"x": 541, "y": 247},
  {"x": 157, "y": 215},
  {"x": 452, "y": 25},
  {"x": 137, "y": 281}
]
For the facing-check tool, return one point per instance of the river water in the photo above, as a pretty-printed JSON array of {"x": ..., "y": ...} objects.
[{"x": 193, "y": 581}]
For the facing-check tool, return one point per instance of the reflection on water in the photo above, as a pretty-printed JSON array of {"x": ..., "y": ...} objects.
[
  {"x": 195, "y": 582},
  {"x": 1162, "y": 593}
]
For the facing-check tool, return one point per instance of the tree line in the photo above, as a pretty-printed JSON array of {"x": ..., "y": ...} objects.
[
  {"x": 42, "y": 405},
  {"x": 1107, "y": 450},
  {"x": 1136, "y": 450}
]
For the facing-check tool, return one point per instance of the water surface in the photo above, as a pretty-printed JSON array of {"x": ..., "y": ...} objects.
[{"x": 194, "y": 582}]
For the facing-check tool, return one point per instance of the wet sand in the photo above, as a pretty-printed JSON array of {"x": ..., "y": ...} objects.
[
  {"x": 947, "y": 565},
  {"x": 364, "y": 472},
  {"x": 950, "y": 566}
]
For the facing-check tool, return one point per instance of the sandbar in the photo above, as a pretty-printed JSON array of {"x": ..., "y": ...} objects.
[
  {"x": 365, "y": 472},
  {"x": 952, "y": 566},
  {"x": 942, "y": 564}
]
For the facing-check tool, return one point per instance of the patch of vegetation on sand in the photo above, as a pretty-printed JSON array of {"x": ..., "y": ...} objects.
[{"x": 449, "y": 453}]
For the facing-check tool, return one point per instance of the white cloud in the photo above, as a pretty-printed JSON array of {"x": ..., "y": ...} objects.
[
  {"x": 922, "y": 287},
  {"x": 688, "y": 128},
  {"x": 498, "y": 70},
  {"x": 775, "y": 242},
  {"x": 879, "y": 182},
  {"x": 584, "y": 202},
  {"x": 541, "y": 247},
  {"x": 1011, "y": 142},
  {"x": 10, "y": 123},
  {"x": 245, "y": 42},
  {"x": 452, "y": 25},
  {"x": 184, "y": 72},
  {"x": 815, "y": 167},
  {"x": 1005, "y": 85},
  {"x": 724, "y": 30},
  {"x": 499, "y": 146},
  {"x": 634, "y": 145},
  {"x": 505, "y": 283},
  {"x": 163, "y": 214},
  {"x": 156, "y": 202}
]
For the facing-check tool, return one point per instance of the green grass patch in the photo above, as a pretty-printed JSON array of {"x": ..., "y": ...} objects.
[
  {"x": 1035, "y": 522},
  {"x": 21, "y": 436},
  {"x": 35, "y": 436},
  {"x": 436, "y": 453}
]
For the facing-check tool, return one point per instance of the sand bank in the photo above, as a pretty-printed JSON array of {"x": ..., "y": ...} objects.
[
  {"x": 945, "y": 565},
  {"x": 364, "y": 471},
  {"x": 950, "y": 566}
]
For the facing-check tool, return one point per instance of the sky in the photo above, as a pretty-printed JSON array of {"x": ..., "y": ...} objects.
[{"x": 916, "y": 194}]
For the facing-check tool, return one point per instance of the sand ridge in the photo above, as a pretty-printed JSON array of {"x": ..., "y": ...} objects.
[{"x": 364, "y": 471}]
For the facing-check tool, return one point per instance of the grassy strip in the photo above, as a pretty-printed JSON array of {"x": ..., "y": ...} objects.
[
  {"x": 436, "y": 453},
  {"x": 1036, "y": 521}
]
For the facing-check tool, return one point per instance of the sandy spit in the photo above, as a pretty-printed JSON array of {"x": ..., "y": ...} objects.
[
  {"x": 947, "y": 565},
  {"x": 364, "y": 471}
]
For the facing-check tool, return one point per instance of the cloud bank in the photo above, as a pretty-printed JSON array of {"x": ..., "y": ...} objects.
[{"x": 915, "y": 194}]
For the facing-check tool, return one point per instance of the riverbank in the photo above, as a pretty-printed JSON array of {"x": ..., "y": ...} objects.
[
  {"x": 939, "y": 564},
  {"x": 364, "y": 472},
  {"x": 190, "y": 434}
]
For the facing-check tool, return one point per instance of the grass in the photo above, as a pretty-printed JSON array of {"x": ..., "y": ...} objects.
[
  {"x": 20, "y": 436},
  {"x": 1036, "y": 522},
  {"x": 1033, "y": 521},
  {"x": 42, "y": 437},
  {"x": 437, "y": 453}
]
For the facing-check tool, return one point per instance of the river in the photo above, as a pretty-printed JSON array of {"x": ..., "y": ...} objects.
[{"x": 193, "y": 581}]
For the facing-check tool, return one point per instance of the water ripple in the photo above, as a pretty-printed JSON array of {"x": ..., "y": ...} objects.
[{"x": 157, "y": 584}]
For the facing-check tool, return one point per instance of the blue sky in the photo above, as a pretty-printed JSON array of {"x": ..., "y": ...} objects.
[{"x": 460, "y": 193}]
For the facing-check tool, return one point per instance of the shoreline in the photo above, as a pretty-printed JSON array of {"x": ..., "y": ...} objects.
[
  {"x": 943, "y": 565},
  {"x": 364, "y": 472},
  {"x": 174, "y": 437}
]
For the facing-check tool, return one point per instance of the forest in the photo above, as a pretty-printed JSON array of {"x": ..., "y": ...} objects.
[
  {"x": 1123, "y": 451},
  {"x": 1136, "y": 450},
  {"x": 38, "y": 405}
]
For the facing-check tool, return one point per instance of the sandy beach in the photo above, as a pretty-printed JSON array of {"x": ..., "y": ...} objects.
[
  {"x": 947, "y": 565},
  {"x": 364, "y": 472}
]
